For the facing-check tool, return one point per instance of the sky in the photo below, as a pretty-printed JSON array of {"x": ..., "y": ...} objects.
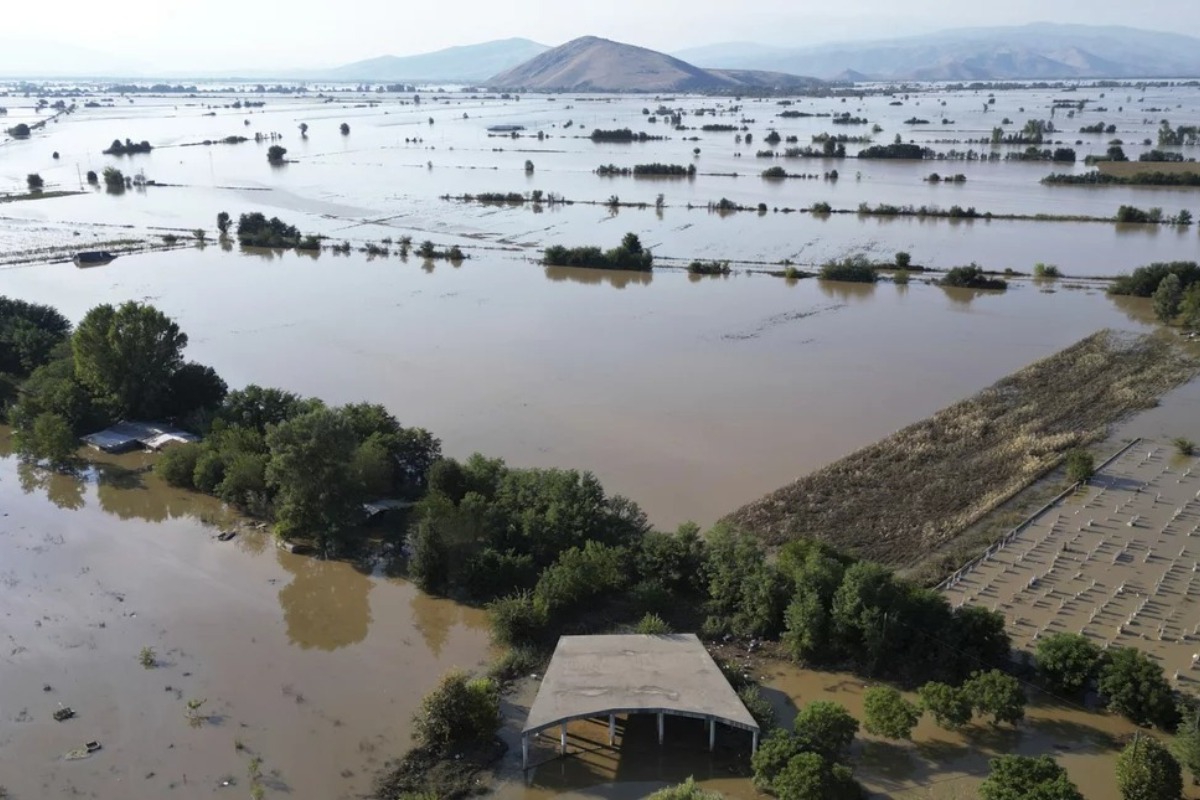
[{"x": 171, "y": 36}]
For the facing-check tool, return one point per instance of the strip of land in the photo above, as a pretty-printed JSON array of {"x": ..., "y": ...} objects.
[{"x": 918, "y": 489}]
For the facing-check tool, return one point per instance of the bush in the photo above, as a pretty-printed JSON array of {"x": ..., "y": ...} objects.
[
  {"x": 1067, "y": 661},
  {"x": 758, "y": 706},
  {"x": 807, "y": 776},
  {"x": 688, "y": 790},
  {"x": 177, "y": 465},
  {"x": 949, "y": 706},
  {"x": 1145, "y": 280},
  {"x": 517, "y": 619},
  {"x": 345, "y": 129},
  {"x": 458, "y": 712},
  {"x": 1081, "y": 465},
  {"x": 629, "y": 255},
  {"x": 276, "y": 153},
  {"x": 114, "y": 179},
  {"x": 856, "y": 269},
  {"x": 652, "y": 625},
  {"x": 821, "y": 207},
  {"x": 903, "y": 260},
  {"x": 1049, "y": 271},
  {"x": 1134, "y": 686},
  {"x": 971, "y": 277},
  {"x": 1147, "y": 771},
  {"x": 997, "y": 694},
  {"x": 1184, "y": 446},
  {"x": 34, "y": 182},
  {"x": 1025, "y": 778},
  {"x": 48, "y": 438},
  {"x": 888, "y": 714}
]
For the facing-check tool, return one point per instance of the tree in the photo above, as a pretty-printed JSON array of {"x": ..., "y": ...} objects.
[
  {"x": 997, "y": 694},
  {"x": 949, "y": 706},
  {"x": 1081, "y": 465},
  {"x": 1189, "y": 308},
  {"x": 1167, "y": 298},
  {"x": 114, "y": 180},
  {"x": 29, "y": 334},
  {"x": 1067, "y": 661},
  {"x": 866, "y": 598},
  {"x": 903, "y": 259},
  {"x": 1027, "y": 778},
  {"x": 310, "y": 469},
  {"x": 1186, "y": 746},
  {"x": 1147, "y": 771},
  {"x": 826, "y": 728},
  {"x": 774, "y": 752},
  {"x": 276, "y": 153},
  {"x": 460, "y": 711},
  {"x": 177, "y": 465},
  {"x": 1134, "y": 686},
  {"x": 127, "y": 356},
  {"x": 688, "y": 790},
  {"x": 1183, "y": 218},
  {"x": 888, "y": 714},
  {"x": 49, "y": 439},
  {"x": 807, "y": 776},
  {"x": 303, "y": 129},
  {"x": 223, "y": 222},
  {"x": 345, "y": 128},
  {"x": 194, "y": 387},
  {"x": 34, "y": 182}
]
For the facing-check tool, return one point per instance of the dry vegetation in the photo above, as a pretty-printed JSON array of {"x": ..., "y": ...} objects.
[
  {"x": 898, "y": 499},
  {"x": 1127, "y": 169}
]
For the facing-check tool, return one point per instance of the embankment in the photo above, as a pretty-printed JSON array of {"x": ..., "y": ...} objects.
[{"x": 918, "y": 489}]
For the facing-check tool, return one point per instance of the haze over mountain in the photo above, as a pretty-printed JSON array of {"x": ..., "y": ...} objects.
[
  {"x": 1039, "y": 50},
  {"x": 592, "y": 64},
  {"x": 466, "y": 64}
]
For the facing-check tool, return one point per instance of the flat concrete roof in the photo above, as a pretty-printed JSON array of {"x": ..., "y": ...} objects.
[{"x": 593, "y": 676}]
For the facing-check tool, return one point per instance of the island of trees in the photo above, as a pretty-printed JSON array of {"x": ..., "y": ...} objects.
[{"x": 629, "y": 255}]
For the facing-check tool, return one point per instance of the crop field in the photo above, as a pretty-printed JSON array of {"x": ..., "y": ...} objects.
[{"x": 916, "y": 490}]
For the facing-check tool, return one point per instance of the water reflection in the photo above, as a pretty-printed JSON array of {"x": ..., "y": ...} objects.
[
  {"x": 616, "y": 278},
  {"x": 327, "y": 605},
  {"x": 434, "y": 618},
  {"x": 964, "y": 297},
  {"x": 846, "y": 291},
  {"x": 63, "y": 489}
]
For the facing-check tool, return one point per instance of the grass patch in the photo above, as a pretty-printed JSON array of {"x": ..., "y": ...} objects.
[{"x": 920, "y": 488}]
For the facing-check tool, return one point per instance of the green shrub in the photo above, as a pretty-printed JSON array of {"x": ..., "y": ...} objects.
[
  {"x": 177, "y": 465},
  {"x": 652, "y": 625},
  {"x": 903, "y": 260},
  {"x": 460, "y": 711},
  {"x": 517, "y": 619},
  {"x": 856, "y": 269},
  {"x": 1049, "y": 271},
  {"x": 688, "y": 790},
  {"x": 1184, "y": 446},
  {"x": 758, "y": 706},
  {"x": 1081, "y": 465},
  {"x": 971, "y": 276},
  {"x": 1145, "y": 280}
]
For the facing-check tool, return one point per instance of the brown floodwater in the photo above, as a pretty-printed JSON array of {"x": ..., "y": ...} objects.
[
  {"x": 689, "y": 396},
  {"x": 315, "y": 667},
  {"x": 936, "y": 765}
]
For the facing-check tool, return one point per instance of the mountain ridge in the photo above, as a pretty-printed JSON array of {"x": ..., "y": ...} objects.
[
  {"x": 594, "y": 64},
  {"x": 1034, "y": 51}
]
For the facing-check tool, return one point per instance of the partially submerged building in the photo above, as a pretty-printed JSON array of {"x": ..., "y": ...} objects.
[
  {"x": 601, "y": 677},
  {"x": 126, "y": 436}
]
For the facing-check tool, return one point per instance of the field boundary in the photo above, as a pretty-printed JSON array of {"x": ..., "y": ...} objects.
[{"x": 1025, "y": 523}]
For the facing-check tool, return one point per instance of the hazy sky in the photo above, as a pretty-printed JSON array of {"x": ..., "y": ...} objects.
[{"x": 219, "y": 35}]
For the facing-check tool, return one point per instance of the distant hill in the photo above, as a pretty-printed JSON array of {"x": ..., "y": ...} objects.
[
  {"x": 471, "y": 63},
  {"x": 591, "y": 64},
  {"x": 1037, "y": 51}
]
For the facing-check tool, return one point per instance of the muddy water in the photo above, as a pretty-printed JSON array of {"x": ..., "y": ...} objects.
[
  {"x": 385, "y": 178},
  {"x": 690, "y": 396},
  {"x": 937, "y": 764},
  {"x": 314, "y": 667}
]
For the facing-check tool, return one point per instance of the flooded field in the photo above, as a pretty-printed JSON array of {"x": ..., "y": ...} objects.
[
  {"x": 386, "y": 176},
  {"x": 936, "y": 765},
  {"x": 1115, "y": 562},
  {"x": 314, "y": 667},
  {"x": 690, "y": 395}
]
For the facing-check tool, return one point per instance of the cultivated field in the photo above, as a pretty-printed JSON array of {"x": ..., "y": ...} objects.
[
  {"x": 1127, "y": 169},
  {"x": 1118, "y": 561},
  {"x": 918, "y": 489}
]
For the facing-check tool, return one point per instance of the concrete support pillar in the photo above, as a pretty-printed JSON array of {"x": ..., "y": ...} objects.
[
  {"x": 563, "y": 739},
  {"x": 754, "y": 744},
  {"x": 612, "y": 729},
  {"x": 660, "y": 727},
  {"x": 712, "y": 734},
  {"x": 524, "y": 751}
]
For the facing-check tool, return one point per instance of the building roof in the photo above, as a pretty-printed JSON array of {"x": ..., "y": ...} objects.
[
  {"x": 128, "y": 435},
  {"x": 592, "y": 676}
]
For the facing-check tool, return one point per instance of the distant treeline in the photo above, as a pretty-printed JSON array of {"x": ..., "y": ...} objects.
[
  {"x": 649, "y": 170},
  {"x": 1138, "y": 179},
  {"x": 897, "y": 150},
  {"x": 628, "y": 255},
  {"x": 621, "y": 135},
  {"x": 127, "y": 148}
]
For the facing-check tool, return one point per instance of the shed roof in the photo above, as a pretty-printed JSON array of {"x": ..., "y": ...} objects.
[{"x": 592, "y": 676}]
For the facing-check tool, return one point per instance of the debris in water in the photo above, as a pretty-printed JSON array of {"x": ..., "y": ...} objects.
[{"x": 64, "y": 713}]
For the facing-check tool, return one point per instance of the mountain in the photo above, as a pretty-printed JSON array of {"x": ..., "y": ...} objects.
[
  {"x": 26, "y": 58},
  {"x": 591, "y": 64},
  {"x": 468, "y": 63},
  {"x": 1039, "y": 50}
]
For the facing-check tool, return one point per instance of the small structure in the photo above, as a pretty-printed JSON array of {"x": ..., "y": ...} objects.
[
  {"x": 603, "y": 676},
  {"x": 126, "y": 436},
  {"x": 93, "y": 258}
]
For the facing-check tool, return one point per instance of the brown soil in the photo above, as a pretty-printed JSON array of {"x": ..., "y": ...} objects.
[{"x": 920, "y": 488}]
